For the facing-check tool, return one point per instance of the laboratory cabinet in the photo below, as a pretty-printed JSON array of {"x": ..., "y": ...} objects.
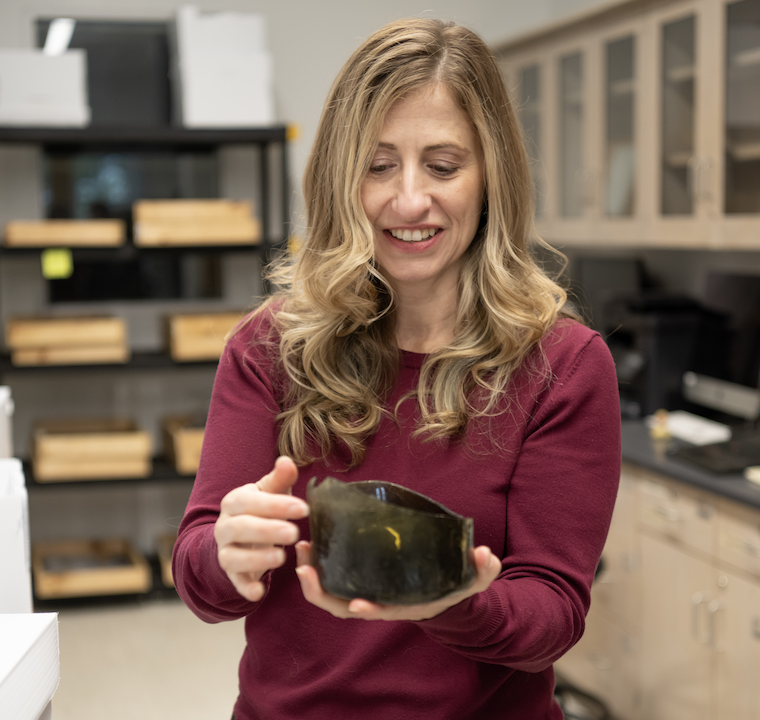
[
  {"x": 674, "y": 626},
  {"x": 642, "y": 121}
]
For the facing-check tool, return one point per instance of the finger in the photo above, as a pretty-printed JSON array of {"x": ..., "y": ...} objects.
[
  {"x": 303, "y": 553},
  {"x": 313, "y": 593},
  {"x": 250, "y": 588},
  {"x": 254, "y": 530},
  {"x": 250, "y": 500},
  {"x": 253, "y": 561},
  {"x": 487, "y": 565},
  {"x": 282, "y": 477}
]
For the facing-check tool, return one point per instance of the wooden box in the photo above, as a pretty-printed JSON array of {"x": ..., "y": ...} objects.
[
  {"x": 65, "y": 233},
  {"x": 183, "y": 439},
  {"x": 99, "y": 449},
  {"x": 67, "y": 340},
  {"x": 82, "y": 568},
  {"x": 165, "y": 547},
  {"x": 194, "y": 222},
  {"x": 200, "y": 337}
]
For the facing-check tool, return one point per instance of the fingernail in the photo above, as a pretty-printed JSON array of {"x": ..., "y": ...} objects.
[{"x": 298, "y": 510}]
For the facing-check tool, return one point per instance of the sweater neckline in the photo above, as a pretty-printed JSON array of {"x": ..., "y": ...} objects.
[{"x": 411, "y": 359}]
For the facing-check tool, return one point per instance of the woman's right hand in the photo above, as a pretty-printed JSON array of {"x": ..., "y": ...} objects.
[{"x": 254, "y": 523}]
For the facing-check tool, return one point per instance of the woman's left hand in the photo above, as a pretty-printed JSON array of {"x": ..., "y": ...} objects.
[{"x": 486, "y": 564}]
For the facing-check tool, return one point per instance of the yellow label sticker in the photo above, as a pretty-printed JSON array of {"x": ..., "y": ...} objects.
[{"x": 57, "y": 264}]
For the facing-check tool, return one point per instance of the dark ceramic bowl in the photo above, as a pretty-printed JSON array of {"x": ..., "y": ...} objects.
[{"x": 385, "y": 543}]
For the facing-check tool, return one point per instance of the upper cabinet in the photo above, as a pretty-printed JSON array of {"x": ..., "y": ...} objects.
[{"x": 642, "y": 121}]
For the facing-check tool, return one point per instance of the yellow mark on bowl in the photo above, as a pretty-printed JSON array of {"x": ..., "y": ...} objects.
[{"x": 396, "y": 537}]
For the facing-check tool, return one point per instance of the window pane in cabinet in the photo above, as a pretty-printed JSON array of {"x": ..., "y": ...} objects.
[
  {"x": 620, "y": 96},
  {"x": 742, "y": 185},
  {"x": 529, "y": 96},
  {"x": 571, "y": 135},
  {"x": 678, "y": 91}
]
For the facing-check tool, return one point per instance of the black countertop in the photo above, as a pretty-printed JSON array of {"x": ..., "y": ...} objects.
[{"x": 638, "y": 448}]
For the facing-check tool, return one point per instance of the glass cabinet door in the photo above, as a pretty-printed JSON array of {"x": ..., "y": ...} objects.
[
  {"x": 742, "y": 121},
  {"x": 678, "y": 74},
  {"x": 528, "y": 108},
  {"x": 620, "y": 94},
  {"x": 571, "y": 168}
]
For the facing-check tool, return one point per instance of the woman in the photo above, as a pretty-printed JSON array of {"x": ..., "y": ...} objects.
[{"x": 415, "y": 341}]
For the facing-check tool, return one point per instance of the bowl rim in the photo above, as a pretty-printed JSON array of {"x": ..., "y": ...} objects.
[{"x": 353, "y": 487}]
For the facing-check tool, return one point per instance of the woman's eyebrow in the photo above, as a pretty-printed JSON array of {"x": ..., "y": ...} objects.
[{"x": 429, "y": 148}]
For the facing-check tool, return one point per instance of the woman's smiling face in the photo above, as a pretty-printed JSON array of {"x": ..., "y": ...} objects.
[{"x": 424, "y": 190}]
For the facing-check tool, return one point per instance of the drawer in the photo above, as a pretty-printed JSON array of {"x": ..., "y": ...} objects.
[
  {"x": 684, "y": 515},
  {"x": 739, "y": 537}
]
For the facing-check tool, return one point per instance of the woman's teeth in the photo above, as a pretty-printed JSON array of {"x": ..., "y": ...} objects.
[{"x": 414, "y": 235}]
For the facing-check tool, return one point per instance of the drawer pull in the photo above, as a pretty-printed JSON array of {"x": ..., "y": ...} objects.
[
  {"x": 670, "y": 514},
  {"x": 697, "y": 599},
  {"x": 756, "y": 628}
]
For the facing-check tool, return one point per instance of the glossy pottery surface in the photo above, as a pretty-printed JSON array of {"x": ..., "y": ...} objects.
[{"x": 385, "y": 543}]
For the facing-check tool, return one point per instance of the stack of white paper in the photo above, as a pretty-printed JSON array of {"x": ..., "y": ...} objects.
[
  {"x": 29, "y": 664},
  {"x": 40, "y": 89},
  {"x": 223, "y": 72},
  {"x": 15, "y": 579},
  {"x": 6, "y": 415}
]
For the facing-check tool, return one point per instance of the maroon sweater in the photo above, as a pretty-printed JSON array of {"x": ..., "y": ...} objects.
[{"x": 541, "y": 499}]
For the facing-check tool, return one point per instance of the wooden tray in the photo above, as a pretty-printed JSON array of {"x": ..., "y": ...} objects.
[
  {"x": 183, "y": 439},
  {"x": 65, "y": 233},
  {"x": 24, "y": 333},
  {"x": 200, "y": 337},
  {"x": 195, "y": 222},
  {"x": 72, "y": 355},
  {"x": 190, "y": 210},
  {"x": 97, "y": 449},
  {"x": 81, "y": 568}
]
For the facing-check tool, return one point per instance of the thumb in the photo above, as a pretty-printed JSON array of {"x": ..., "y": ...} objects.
[{"x": 282, "y": 477}]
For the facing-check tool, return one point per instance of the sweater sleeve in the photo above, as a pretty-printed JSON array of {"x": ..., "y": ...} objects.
[
  {"x": 239, "y": 446},
  {"x": 559, "y": 506}
]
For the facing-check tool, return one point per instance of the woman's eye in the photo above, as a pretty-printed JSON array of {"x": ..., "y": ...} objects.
[
  {"x": 443, "y": 170},
  {"x": 379, "y": 168}
]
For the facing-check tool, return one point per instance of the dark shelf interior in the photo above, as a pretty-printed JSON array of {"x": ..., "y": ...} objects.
[
  {"x": 116, "y": 137},
  {"x": 163, "y": 471},
  {"x": 138, "y": 361}
]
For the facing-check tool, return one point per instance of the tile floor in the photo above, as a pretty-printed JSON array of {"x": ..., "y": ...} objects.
[{"x": 152, "y": 660}]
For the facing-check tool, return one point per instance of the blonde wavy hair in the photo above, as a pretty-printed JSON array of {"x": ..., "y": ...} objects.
[{"x": 335, "y": 313}]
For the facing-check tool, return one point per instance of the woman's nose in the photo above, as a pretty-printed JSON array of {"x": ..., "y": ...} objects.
[{"x": 413, "y": 198}]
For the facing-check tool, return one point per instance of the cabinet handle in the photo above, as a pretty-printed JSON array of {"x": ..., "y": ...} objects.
[
  {"x": 668, "y": 513},
  {"x": 601, "y": 662},
  {"x": 696, "y": 600},
  {"x": 756, "y": 628},
  {"x": 692, "y": 185},
  {"x": 712, "y": 635},
  {"x": 704, "y": 172}
]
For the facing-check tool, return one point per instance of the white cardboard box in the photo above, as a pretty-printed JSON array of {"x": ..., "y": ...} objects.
[
  {"x": 30, "y": 666},
  {"x": 6, "y": 420},
  {"x": 223, "y": 70},
  {"x": 15, "y": 563},
  {"x": 39, "y": 89}
]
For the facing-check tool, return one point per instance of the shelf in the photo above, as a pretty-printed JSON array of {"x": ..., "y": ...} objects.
[
  {"x": 130, "y": 137},
  {"x": 745, "y": 151},
  {"x": 129, "y": 250},
  {"x": 681, "y": 73},
  {"x": 138, "y": 361},
  {"x": 746, "y": 58},
  {"x": 163, "y": 471},
  {"x": 158, "y": 592},
  {"x": 622, "y": 87}
]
